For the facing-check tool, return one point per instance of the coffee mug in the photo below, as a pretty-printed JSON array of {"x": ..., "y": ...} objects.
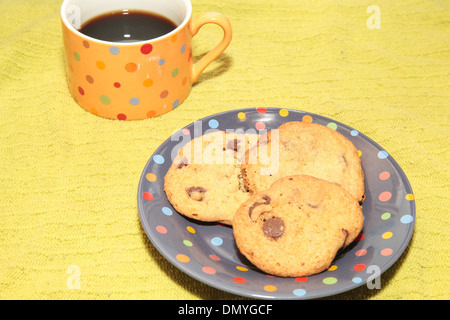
[{"x": 135, "y": 80}]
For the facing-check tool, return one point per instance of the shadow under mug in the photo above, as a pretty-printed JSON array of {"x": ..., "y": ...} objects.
[{"x": 135, "y": 80}]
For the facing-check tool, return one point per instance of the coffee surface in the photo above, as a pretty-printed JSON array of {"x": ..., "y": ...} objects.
[{"x": 127, "y": 26}]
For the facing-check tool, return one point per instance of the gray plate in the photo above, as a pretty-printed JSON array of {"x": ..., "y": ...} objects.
[{"x": 207, "y": 251}]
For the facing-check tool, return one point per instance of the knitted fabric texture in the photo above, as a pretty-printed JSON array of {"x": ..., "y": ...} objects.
[{"x": 69, "y": 178}]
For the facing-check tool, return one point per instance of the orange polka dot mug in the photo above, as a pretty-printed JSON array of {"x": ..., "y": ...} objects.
[{"x": 141, "y": 79}]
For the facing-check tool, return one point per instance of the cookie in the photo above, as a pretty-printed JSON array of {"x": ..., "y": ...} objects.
[
  {"x": 204, "y": 181},
  {"x": 297, "y": 148},
  {"x": 296, "y": 227}
]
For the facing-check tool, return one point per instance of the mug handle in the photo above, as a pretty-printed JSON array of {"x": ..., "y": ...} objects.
[{"x": 194, "y": 26}]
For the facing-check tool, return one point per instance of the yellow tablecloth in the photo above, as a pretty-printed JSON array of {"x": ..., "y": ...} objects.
[{"x": 69, "y": 179}]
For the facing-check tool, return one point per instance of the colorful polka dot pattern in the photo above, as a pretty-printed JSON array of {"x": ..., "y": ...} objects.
[
  {"x": 371, "y": 247},
  {"x": 129, "y": 82}
]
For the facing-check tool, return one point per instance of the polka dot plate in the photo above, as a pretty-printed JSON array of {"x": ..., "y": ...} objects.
[{"x": 207, "y": 251}]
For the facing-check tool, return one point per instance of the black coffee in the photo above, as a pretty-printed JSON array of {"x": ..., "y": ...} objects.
[{"x": 127, "y": 26}]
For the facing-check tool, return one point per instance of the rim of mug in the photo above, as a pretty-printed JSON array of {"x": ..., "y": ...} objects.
[{"x": 74, "y": 30}]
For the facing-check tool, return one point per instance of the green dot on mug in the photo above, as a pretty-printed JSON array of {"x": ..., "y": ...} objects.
[
  {"x": 175, "y": 72},
  {"x": 105, "y": 100}
]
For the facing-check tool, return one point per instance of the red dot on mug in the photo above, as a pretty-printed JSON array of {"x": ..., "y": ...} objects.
[
  {"x": 122, "y": 116},
  {"x": 81, "y": 91},
  {"x": 146, "y": 48},
  {"x": 117, "y": 84}
]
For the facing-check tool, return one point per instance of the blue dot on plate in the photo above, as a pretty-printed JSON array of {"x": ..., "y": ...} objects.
[
  {"x": 406, "y": 219},
  {"x": 161, "y": 62},
  {"x": 356, "y": 280},
  {"x": 213, "y": 123},
  {"x": 159, "y": 159},
  {"x": 176, "y": 103},
  {"x": 299, "y": 292},
  {"x": 354, "y": 133},
  {"x": 134, "y": 101},
  {"x": 114, "y": 50},
  {"x": 167, "y": 211},
  {"x": 183, "y": 48},
  {"x": 383, "y": 154},
  {"x": 217, "y": 241}
]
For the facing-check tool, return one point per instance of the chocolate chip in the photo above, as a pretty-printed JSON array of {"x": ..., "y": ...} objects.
[
  {"x": 253, "y": 206},
  {"x": 233, "y": 145},
  {"x": 183, "y": 163},
  {"x": 344, "y": 159},
  {"x": 196, "y": 193},
  {"x": 273, "y": 228},
  {"x": 314, "y": 205}
]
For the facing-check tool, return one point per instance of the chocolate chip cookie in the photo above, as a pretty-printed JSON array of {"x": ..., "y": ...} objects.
[
  {"x": 204, "y": 181},
  {"x": 304, "y": 148},
  {"x": 296, "y": 227}
]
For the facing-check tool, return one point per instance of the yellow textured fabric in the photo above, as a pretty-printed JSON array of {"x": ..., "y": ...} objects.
[{"x": 69, "y": 179}]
